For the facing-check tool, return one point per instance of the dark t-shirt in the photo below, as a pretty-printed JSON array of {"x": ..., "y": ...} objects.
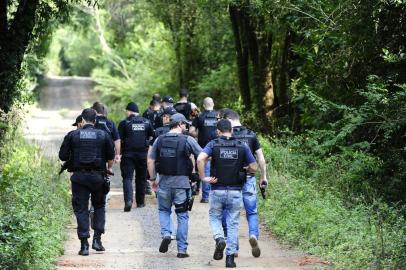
[{"x": 255, "y": 142}]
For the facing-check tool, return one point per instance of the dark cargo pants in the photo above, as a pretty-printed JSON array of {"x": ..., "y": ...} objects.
[
  {"x": 85, "y": 184},
  {"x": 128, "y": 165}
]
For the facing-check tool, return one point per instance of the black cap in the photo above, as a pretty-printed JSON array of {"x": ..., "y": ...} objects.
[
  {"x": 132, "y": 107},
  {"x": 169, "y": 110},
  {"x": 167, "y": 99},
  {"x": 78, "y": 120}
]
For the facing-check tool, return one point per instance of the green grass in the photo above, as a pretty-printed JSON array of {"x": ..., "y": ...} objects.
[
  {"x": 331, "y": 220},
  {"x": 34, "y": 208}
]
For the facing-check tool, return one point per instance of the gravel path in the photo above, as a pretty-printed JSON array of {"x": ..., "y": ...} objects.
[{"x": 132, "y": 239}]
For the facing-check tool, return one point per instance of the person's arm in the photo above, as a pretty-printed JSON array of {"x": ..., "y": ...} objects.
[
  {"x": 263, "y": 181},
  {"x": 151, "y": 165},
  {"x": 201, "y": 162},
  {"x": 64, "y": 151},
  {"x": 109, "y": 153},
  {"x": 250, "y": 160},
  {"x": 193, "y": 131}
]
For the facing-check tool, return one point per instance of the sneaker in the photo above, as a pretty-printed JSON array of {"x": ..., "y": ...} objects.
[
  {"x": 182, "y": 255},
  {"x": 204, "y": 200},
  {"x": 173, "y": 237},
  {"x": 127, "y": 206},
  {"x": 220, "y": 246},
  {"x": 164, "y": 244},
  {"x": 255, "y": 250}
]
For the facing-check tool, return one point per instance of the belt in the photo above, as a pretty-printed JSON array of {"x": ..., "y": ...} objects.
[{"x": 226, "y": 187}]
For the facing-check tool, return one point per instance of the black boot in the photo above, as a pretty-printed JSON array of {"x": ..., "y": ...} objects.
[
  {"x": 84, "y": 247},
  {"x": 230, "y": 261},
  {"x": 97, "y": 244},
  {"x": 165, "y": 244},
  {"x": 127, "y": 206},
  {"x": 220, "y": 246}
]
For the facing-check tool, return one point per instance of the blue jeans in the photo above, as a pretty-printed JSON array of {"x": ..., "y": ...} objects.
[
  {"x": 249, "y": 196},
  {"x": 228, "y": 201},
  {"x": 166, "y": 198},
  {"x": 205, "y": 185}
]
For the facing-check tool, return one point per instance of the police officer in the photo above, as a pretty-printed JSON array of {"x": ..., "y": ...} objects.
[
  {"x": 170, "y": 156},
  {"x": 204, "y": 128},
  {"x": 153, "y": 112},
  {"x": 249, "y": 191},
  {"x": 227, "y": 177},
  {"x": 102, "y": 122},
  {"x": 165, "y": 117},
  {"x": 89, "y": 149},
  {"x": 183, "y": 106},
  {"x": 135, "y": 131}
]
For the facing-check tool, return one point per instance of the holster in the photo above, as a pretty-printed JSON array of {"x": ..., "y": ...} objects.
[{"x": 186, "y": 205}]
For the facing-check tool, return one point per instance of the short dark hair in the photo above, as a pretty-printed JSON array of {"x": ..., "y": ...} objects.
[
  {"x": 156, "y": 97},
  {"x": 99, "y": 107},
  {"x": 183, "y": 93},
  {"x": 224, "y": 125},
  {"x": 153, "y": 102},
  {"x": 232, "y": 115},
  {"x": 222, "y": 112},
  {"x": 173, "y": 125},
  {"x": 89, "y": 115}
]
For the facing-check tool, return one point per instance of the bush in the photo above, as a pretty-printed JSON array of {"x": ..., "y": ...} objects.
[
  {"x": 33, "y": 208},
  {"x": 318, "y": 205}
]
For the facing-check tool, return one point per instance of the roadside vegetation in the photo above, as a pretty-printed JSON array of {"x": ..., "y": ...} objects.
[
  {"x": 34, "y": 206},
  {"x": 324, "y": 82}
]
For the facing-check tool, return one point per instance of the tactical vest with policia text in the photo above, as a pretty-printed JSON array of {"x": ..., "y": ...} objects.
[
  {"x": 135, "y": 135},
  {"x": 245, "y": 135},
  {"x": 88, "y": 149},
  {"x": 207, "y": 131},
  {"x": 173, "y": 157},
  {"x": 227, "y": 163}
]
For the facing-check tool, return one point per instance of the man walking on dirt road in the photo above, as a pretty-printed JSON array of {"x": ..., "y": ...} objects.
[
  {"x": 89, "y": 149},
  {"x": 170, "y": 156},
  {"x": 227, "y": 177}
]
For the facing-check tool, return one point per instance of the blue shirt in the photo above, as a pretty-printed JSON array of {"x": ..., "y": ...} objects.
[{"x": 248, "y": 157}]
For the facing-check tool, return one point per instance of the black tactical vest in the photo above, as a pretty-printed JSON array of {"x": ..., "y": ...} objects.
[
  {"x": 161, "y": 131},
  {"x": 135, "y": 139},
  {"x": 245, "y": 135},
  {"x": 88, "y": 149},
  {"x": 207, "y": 130},
  {"x": 173, "y": 155},
  {"x": 184, "y": 108},
  {"x": 102, "y": 124},
  {"x": 228, "y": 162}
]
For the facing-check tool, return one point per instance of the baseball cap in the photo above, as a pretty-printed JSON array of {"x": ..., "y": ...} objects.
[
  {"x": 168, "y": 99},
  {"x": 169, "y": 110},
  {"x": 178, "y": 117},
  {"x": 78, "y": 120}
]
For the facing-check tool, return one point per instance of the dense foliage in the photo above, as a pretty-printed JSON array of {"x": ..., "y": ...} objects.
[
  {"x": 34, "y": 207},
  {"x": 326, "y": 79}
]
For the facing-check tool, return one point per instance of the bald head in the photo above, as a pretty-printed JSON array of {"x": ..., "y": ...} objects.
[{"x": 208, "y": 103}]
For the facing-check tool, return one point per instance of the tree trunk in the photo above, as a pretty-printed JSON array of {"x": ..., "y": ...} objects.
[
  {"x": 242, "y": 56},
  {"x": 283, "y": 95},
  {"x": 15, "y": 38}
]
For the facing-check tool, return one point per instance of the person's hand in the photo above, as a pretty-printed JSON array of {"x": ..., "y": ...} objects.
[
  {"x": 211, "y": 180},
  {"x": 117, "y": 158},
  {"x": 154, "y": 185},
  {"x": 263, "y": 183},
  {"x": 110, "y": 171}
]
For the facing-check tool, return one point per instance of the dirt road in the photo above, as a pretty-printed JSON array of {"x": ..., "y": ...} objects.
[{"x": 132, "y": 239}]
